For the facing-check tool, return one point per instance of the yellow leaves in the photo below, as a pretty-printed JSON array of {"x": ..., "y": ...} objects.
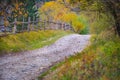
[
  {"x": 47, "y": 6},
  {"x": 69, "y": 17},
  {"x": 57, "y": 11},
  {"x": 53, "y": 10},
  {"x": 78, "y": 26}
]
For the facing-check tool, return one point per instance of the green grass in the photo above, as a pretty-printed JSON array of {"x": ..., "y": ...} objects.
[
  {"x": 29, "y": 40},
  {"x": 51, "y": 69},
  {"x": 99, "y": 61}
]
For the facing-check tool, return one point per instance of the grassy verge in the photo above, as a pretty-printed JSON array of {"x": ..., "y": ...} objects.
[
  {"x": 54, "y": 67},
  {"x": 100, "y": 61},
  {"x": 29, "y": 40}
]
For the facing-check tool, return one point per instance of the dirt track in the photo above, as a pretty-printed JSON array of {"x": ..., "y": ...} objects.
[{"x": 28, "y": 65}]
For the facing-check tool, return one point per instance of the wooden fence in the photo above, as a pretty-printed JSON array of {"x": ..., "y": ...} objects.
[{"x": 36, "y": 24}]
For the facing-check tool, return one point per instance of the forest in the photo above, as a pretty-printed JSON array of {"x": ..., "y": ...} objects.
[{"x": 27, "y": 25}]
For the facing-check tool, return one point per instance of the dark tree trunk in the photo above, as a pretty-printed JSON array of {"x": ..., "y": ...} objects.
[
  {"x": 114, "y": 8},
  {"x": 116, "y": 12},
  {"x": 118, "y": 27}
]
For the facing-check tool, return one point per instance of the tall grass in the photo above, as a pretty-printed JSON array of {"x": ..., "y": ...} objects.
[
  {"x": 29, "y": 40},
  {"x": 99, "y": 61}
]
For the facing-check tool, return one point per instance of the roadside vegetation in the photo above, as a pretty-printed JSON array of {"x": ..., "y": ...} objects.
[
  {"x": 100, "y": 18},
  {"x": 29, "y": 40},
  {"x": 57, "y": 11},
  {"x": 100, "y": 60}
]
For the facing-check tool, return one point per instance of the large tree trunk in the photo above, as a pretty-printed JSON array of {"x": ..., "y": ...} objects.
[
  {"x": 116, "y": 14},
  {"x": 117, "y": 23},
  {"x": 114, "y": 8}
]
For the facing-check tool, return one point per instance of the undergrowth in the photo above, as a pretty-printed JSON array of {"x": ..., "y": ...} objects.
[
  {"x": 29, "y": 40},
  {"x": 99, "y": 61}
]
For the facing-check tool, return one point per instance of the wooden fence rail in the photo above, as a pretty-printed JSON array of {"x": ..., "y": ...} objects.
[{"x": 37, "y": 24}]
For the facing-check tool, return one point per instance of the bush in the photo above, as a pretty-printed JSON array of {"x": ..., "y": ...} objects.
[{"x": 80, "y": 25}]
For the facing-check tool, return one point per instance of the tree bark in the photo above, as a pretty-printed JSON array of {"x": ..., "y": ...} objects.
[
  {"x": 114, "y": 8},
  {"x": 117, "y": 25}
]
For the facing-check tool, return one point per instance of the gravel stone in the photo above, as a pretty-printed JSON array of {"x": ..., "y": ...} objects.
[{"x": 30, "y": 64}]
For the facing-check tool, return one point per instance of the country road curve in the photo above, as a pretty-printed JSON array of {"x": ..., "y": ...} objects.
[{"x": 30, "y": 64}]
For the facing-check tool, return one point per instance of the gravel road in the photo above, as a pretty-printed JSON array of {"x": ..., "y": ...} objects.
[{"x": 28, "y": 65}]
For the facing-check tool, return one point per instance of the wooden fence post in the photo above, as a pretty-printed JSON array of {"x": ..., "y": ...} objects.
[
  {"x": 33, "y": 23},
  {"x": 47, "y": 24},
  {"x": 37, "y": 23},
  {"x": 60, "y": 25},
  {"x": 15, "y": 26},
  {"x": 23, "y": 24},
  {"x": 40, "y": 23},
  {"x": 64, "y": 27},
  {"x": 28, "y": 27},
  {"x": 71, "y": 28},
  {"x": 51, "y": 24},
  {"x": 44, "y": 24}
]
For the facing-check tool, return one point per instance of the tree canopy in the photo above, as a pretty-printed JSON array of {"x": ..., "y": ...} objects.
[
  {"x": 102, "y": 6},
  {"x": 17, "y": 8}
]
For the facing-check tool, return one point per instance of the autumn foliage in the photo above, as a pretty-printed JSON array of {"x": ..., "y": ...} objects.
[{"x": 57, "y": 11}]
